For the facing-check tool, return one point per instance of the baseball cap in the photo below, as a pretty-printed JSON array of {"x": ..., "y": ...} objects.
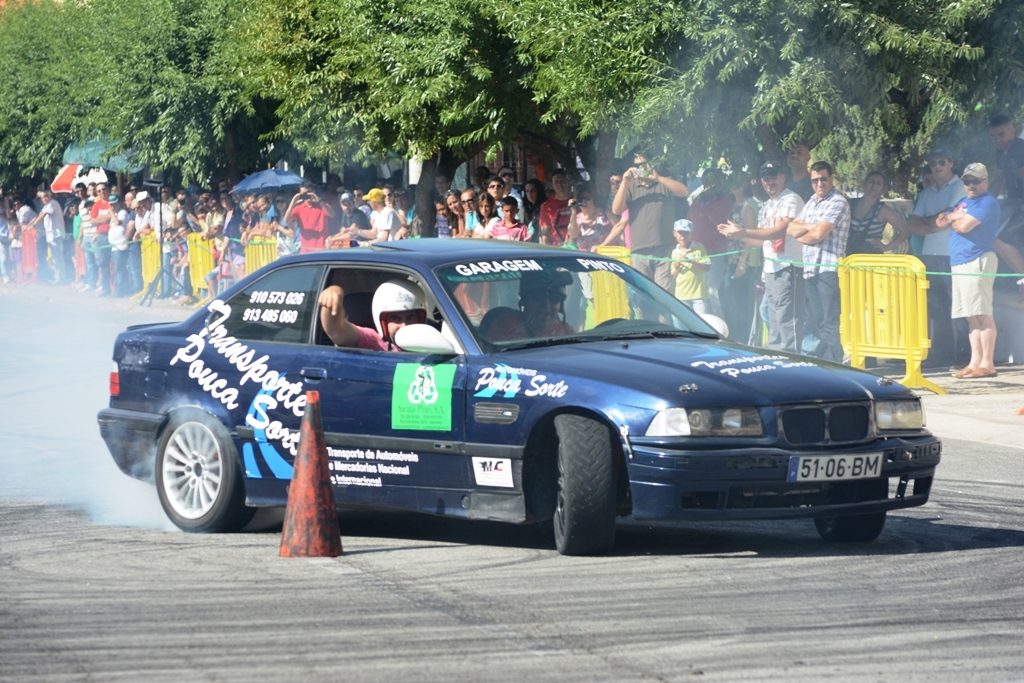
[
  {"x": 374, "y": 195},
  {"x": 975, "y": 170},
  {"x": 940, "y": 153},
  {"x": 683, "y": 225},
  {"x": 769, "y": 169},
  {"x": 345, "y": 197}
]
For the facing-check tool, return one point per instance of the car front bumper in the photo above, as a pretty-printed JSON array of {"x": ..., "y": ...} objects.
[{"x": 751, "y": 483}]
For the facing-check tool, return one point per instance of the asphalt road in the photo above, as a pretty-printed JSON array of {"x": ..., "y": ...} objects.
[{"x": 94, "y": 585}]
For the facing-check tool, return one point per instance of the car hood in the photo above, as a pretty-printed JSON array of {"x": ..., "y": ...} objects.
[{"x": 708, "y": 372}]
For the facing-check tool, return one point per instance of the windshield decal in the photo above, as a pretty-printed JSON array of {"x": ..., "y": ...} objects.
[
  {"x": 596, "y": 264},
  {"x": 505, "y": 266}
]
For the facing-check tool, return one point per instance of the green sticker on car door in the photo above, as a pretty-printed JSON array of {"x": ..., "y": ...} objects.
[{"x": 421, "y": 397}]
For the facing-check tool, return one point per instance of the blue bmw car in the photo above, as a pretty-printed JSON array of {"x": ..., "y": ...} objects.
[{"x": 520, "y": 383}]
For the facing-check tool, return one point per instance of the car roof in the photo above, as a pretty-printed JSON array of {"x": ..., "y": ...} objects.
[{"x": 431, "y": 252}]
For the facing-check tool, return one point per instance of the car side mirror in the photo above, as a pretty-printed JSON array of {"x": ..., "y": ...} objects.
[{"x": 421, "y": 338}]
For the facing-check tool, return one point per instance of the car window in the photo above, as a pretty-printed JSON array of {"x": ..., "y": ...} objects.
[
  {"x": 279, "y": 307},
  {"x": 518, "y": 302}
]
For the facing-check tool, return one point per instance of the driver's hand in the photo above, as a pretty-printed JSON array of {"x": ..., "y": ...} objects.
[{"x": 331, "y": 299}]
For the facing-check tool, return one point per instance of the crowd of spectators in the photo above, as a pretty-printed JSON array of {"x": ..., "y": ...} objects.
[{"x": 759, "y": 249}]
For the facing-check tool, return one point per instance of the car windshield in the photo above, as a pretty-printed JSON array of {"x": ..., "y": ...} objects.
[{"x": 521, "y": 302}]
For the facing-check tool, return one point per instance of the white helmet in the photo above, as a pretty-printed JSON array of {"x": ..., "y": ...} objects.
[
  {"x": 721, "y": 327},
  {"x": 395, "y": 295}
]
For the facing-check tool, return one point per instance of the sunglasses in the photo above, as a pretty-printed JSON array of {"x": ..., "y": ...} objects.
[
  {"x": 468, "y": 201},
  {"x": 972, "y": 182},
  {"x": 494, "y": 186}
]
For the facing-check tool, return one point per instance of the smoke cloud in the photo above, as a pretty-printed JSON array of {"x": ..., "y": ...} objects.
[{"x": 55, "y": 364}]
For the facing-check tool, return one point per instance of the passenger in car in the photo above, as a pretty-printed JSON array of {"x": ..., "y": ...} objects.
[
  {"x": 503, "y": 324},
  {"x": 396, "y": 303},
  {"x": 542, "y": 300}
]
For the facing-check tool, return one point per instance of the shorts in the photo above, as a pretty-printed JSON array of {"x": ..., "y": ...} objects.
[{"x": 972, "y": 291}]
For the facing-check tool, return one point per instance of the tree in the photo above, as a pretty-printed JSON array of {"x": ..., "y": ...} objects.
[
  {"x": 433, "y": 79},
  {"x": 40, "y": 87},
  {"x": 163, "y": 92}
]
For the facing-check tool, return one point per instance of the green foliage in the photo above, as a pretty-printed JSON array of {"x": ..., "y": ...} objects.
[
  {"x": 369, "y": 78},
  {"x": 208, "y": 87},
  {"x": 40, "y": 87},
  {"x": 161, "y": 92}
]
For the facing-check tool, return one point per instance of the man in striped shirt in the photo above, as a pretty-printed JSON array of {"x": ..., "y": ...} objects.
[{"x": 822, "y": 228}]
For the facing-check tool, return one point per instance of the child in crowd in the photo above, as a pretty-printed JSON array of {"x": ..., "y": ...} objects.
[{"x": 690, "y": 264}]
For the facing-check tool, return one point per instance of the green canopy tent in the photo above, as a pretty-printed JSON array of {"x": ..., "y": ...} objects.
[{"x": 95, "y": 154}]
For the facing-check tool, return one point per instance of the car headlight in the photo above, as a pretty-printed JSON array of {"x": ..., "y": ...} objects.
[
  {"x": 899, "y": 414},
  {"x": 706, "y": 422}
]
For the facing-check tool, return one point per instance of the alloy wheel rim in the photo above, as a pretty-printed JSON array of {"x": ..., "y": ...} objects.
[{"x": 192, "y": 470}]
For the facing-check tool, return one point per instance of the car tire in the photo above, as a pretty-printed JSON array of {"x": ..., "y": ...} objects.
[
  {"x": 198, "y": 476},
  {"x": 856, "y": 528},
  {"x": 584, "y": 517}
]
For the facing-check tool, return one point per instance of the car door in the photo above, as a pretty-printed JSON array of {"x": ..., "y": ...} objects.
[{"x": 394, "y": 426}]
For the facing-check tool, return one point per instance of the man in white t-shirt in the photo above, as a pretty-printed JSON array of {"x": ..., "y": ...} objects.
[
  {"x": 383, "y": 219},
  {"x": 782, "y": 256},
  {"x": 51, "y": 214}
]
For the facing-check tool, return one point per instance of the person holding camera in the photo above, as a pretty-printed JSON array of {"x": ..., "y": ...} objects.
[
  {"x": 310, "y": 214},
  {"x": 649, "y": 194}
]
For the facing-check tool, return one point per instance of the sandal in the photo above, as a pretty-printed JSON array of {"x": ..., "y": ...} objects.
[
  {"x": 980, "y": 373},
  {"x": 963, "y": 373}
]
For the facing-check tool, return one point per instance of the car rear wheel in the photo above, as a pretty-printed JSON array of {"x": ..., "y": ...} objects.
[
  {"x": 856, "y": 528},
  {"x": 584, "y": 519},
  {"x": 198, "y": 477}
]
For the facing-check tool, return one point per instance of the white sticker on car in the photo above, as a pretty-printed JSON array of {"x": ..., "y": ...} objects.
[{"x": 493, "y": 472}]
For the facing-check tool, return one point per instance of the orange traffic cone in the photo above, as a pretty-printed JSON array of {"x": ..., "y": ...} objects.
[{"x": 311, "y": 518}]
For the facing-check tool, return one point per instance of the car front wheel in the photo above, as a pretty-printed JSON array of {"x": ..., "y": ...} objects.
[
  {"x": 198, "y": 477},
  {"x": 856, "y": 528},
  {"x": 584, "y": 519}
]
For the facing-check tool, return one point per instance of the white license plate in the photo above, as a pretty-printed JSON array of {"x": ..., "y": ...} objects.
[{"x": 834, "y": 467}]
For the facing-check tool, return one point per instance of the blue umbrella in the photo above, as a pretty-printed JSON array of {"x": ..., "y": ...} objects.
[{"x": 267, "y": 181}]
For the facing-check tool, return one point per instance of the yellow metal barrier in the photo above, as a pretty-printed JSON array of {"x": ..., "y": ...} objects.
[
  {"x": 150, "y": 249},
  {"x": 885, "y": 312},
  {"x": 200, "y": 261},
  {"x": 609, "y": 291},
  {"x": 619, "y": 253},
  {"x": 259, "y": 253}
]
